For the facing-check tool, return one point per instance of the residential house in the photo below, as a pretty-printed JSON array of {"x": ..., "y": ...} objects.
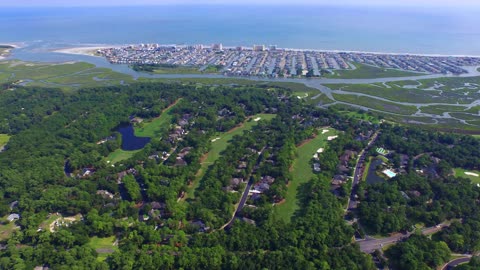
[{"x": 13, "y": 217}]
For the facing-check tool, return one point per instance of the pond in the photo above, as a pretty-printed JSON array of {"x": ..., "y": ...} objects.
[
  {"x": 131, "y": 142},
  {"x": 372, "y": 177}
]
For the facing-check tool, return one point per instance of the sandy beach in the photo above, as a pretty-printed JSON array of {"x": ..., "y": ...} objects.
[
  {"x": 91, "y": 51},
  {"x": 4, "y": 53}
]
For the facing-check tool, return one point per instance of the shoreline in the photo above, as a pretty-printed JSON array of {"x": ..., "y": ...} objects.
[
  {"x": 83, "y": 50},
  {"x": 6, "y": 52},
  {"x": 13, "y": 45},
  {"x": 90, "y": 51}
]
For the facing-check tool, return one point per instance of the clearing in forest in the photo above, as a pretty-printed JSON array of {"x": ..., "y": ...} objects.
[
  {"x": 302, "y": 172},
  {"x": 219, "y": 144}
]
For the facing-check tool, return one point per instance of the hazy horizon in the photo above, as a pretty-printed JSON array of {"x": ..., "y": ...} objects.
[{"x": 354, "y": 3}]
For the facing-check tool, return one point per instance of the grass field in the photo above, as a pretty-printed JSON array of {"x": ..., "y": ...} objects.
[
  {"x": 149, "y": 129},
  {"x": 367, "y": 168},
  {"x": 400, "y": 94},
  {"x": 361, "y": 116},
  {"x": 103, "y": 246},
  {"x": 440, "y": 109},
  {"x": 4, "y": 138},
  {"x": 465, "y": 116},
  {"x": 219, "y": 145},
  {"x": 376, "y": 104},
  {"x": 177, "y": 70},
  {"x": 302, "y": 172},
  {"x": 459, "y": 172},
  {"x": 363, "y": 71},
  {"x": 45, "y": 225},
  {"x": 153, "y": 128},
  {"x": 6, "y": 228},
  {"x": 119, "y": 155},
  {"x": 65, "y": 76}
]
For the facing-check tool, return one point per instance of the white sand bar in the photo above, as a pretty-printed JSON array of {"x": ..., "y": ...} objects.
[
  {"x": 83, "y": 50},
  {"x": 472, "y": 174},
  {"x": 325, "y": 131}
]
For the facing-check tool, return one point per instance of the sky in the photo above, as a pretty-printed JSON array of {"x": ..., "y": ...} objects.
[{"x": 67, "y": 3}]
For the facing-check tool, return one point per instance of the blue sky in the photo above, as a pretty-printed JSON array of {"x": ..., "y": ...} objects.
[{"x": 420, "y": 3}]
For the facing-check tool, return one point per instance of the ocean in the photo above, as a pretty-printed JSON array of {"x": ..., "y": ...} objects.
[{"x": 399, "y": 30}]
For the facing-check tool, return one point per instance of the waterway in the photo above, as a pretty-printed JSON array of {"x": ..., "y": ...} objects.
[
  {"x": 43, "y": 52},
  {"x": 131, "y": 142}
]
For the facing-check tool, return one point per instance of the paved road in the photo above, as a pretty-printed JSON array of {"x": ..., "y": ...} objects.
[
  {"x": 370, "y": 244},
  {"x": 242, "y": 201},
  {"x": 241, "y": 204},
  {"x": 357, "y": 173},
  {"x": 453, "y": 263}
]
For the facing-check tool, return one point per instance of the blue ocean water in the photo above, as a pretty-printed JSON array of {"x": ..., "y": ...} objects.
[{"x": 402, "y": 30}]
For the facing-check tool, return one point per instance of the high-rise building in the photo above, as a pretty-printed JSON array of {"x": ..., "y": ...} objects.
[
  {"x": 259, "y": 48},
  {"x": 217, "y": 46}
]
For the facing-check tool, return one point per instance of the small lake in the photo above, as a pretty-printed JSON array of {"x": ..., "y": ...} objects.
[
  {"x": 372, "y": 177},
  {"x": 131, "y": 142}
]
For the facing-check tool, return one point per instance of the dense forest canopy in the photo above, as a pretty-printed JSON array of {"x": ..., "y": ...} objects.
[{"x": 162, "y": 213}]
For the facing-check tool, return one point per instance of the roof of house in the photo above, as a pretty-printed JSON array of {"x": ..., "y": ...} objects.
[{"x": 13, "y": 216}]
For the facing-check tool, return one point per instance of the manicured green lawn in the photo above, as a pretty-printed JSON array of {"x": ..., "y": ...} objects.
[
  {"x": 153, "y": 128},
  {"x": 4, "y": 138},
  {"x": 367, "y": 168},
  {"x": 219, "y": 145},
  {"x": 103, "y": 246},
  {"x": 119, "y": 155},
  {"x": 366, "y": 71},
  {"x": 459, "y": 172},
  {"x": 302, "y": 172},
  {"x": 150, "y": 129},
  {"x": 361, "y": 116}
]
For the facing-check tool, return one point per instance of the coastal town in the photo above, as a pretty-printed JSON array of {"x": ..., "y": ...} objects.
[{"x": 271, "y": 61}]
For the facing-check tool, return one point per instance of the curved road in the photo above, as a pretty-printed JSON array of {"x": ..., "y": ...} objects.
[
  {"x": 454, "y": 263},
  {"x": 244, "y": 197},
  {"x": 371, "y": 244}
]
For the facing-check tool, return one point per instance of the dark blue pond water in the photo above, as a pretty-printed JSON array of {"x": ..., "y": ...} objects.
[
  {"x": 129, "y": 140},
  {"x": 372, "y": 177}
]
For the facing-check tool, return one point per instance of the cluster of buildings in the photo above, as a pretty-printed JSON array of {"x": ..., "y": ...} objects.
[{"x": 271, "y": 61}]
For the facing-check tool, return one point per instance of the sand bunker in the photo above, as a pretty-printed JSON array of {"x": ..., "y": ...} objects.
[{"x": 332, "y": 137}]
